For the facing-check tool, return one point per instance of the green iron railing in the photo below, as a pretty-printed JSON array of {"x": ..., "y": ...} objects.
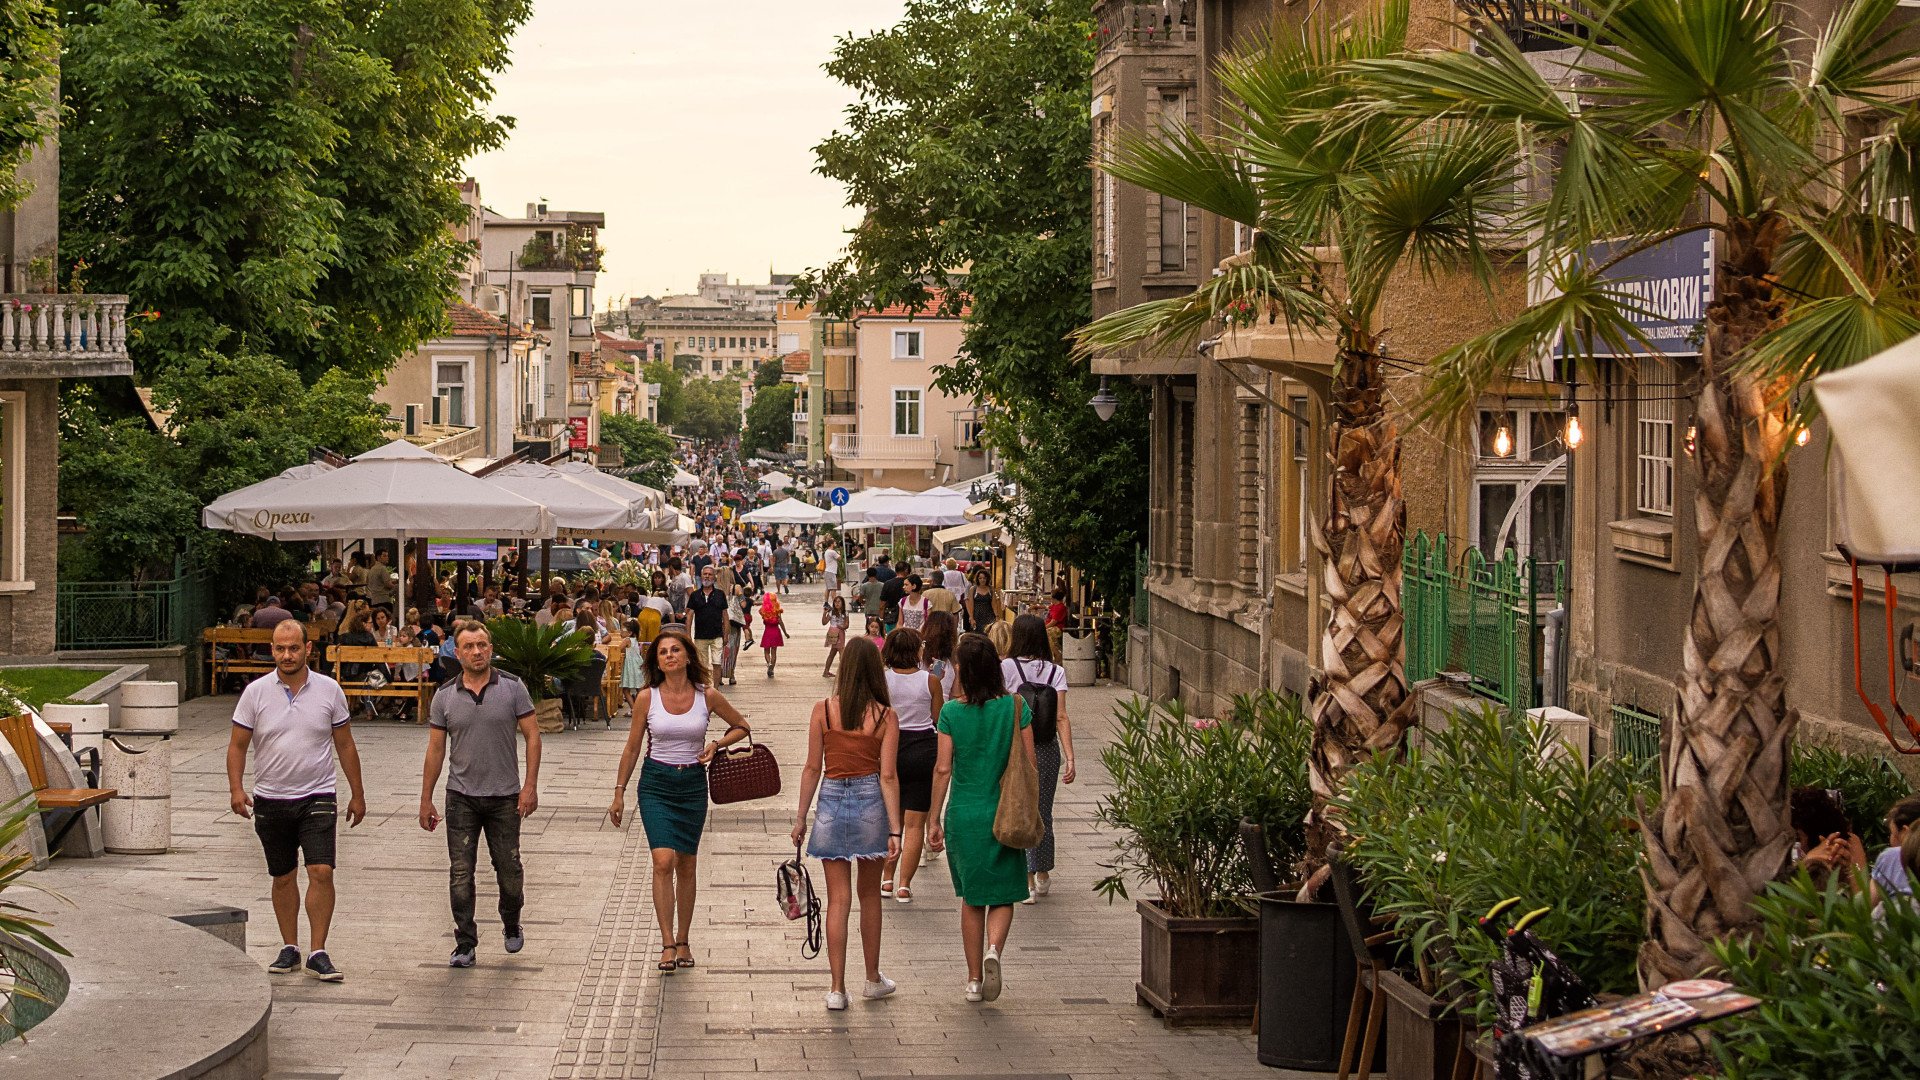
[
  {"x": 130, "y": 614},
  {"x": 1479, "y": 621},
  {"x": 1636, "y": 733},
  {"x": 1140, "y": 604}
]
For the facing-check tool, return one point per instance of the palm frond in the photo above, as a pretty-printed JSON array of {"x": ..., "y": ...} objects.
[
  {"x": 1180, "y": 163},
  {"x": 1250, "y": 289}
]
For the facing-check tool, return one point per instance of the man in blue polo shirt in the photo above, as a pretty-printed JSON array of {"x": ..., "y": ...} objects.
[
  {"x": 472, "y": 722},
  {"x": 295, "y": 721}
]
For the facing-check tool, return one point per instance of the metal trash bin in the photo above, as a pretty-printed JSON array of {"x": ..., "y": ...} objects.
[{"x": 139, "y": 818}]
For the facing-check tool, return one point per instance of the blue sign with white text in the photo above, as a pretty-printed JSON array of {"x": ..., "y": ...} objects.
[{"x": 1671, "y": 283}]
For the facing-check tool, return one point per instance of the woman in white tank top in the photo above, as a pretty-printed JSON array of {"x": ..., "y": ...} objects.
[
  {"x": 678, "y": 705},
  {"x": 916, "y": 700}
]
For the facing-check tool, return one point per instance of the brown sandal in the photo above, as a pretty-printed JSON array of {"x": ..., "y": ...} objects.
[
  {"x": 667, "y": 966},
  {"x": 688, "y": 962}
]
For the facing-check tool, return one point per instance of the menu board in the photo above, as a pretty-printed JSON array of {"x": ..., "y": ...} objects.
[{"x": 1628, "y": 1020}]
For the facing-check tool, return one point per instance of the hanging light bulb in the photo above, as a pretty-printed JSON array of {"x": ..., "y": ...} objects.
[
  {"x": 1503, "y": 441},
  {"x": 1574, "y": 434},
  {"x": 1801, "y": 437},
  {"x": 1692, "y": 437}
]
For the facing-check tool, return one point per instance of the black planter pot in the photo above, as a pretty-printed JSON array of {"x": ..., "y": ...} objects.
[{"x": 1306, "y": 983}]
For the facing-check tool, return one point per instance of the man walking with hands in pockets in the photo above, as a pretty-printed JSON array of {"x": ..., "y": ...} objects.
[
  {"x": 473, "y": 720},
  {"x": 295, "y": 721}
]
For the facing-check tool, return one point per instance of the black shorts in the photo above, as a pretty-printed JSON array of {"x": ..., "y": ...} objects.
[
  {"x": 919, "y": 752},
  {"x": 291, "y": 829}
]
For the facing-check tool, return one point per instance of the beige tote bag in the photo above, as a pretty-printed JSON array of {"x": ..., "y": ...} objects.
[{"x": 1016, "y": 823}]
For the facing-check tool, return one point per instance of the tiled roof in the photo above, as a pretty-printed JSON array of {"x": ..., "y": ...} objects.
[
  {"x": 620, "y": 344},
  {"x": 796, "y": 363},
  {"x": 929, "y": 310},
  {"x": 465, "y": 320}
]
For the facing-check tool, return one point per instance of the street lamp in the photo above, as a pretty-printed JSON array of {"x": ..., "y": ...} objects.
[{"x": 1104, "y": 402}]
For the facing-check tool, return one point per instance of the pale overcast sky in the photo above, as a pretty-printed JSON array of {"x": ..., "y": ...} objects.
[{"x": 690, "y": 125}]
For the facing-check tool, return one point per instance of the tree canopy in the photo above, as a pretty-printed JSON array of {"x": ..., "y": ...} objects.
[
  {"x": 769, "y": 421},
  {"x": 709, "y": 410},
  {"x": 969, "y": 146},
  {"x": 642, "y": 444}
]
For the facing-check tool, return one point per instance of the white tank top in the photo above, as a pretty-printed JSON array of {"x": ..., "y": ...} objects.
[
  {"x": 912, "y": 700},
  {"x": 678, "y": 738}
]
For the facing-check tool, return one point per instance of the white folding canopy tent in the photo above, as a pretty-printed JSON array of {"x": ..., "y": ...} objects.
[
  {"x": 668, "y": 524},
  {"x": 683, "y": 479},
  {"x": 935, "y": 506},
  {"x": 787, "y": 512},
  {"x": 776, "y": 480}
]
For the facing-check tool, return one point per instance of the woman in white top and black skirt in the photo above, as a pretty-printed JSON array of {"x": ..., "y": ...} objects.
[
  {"x": 674, "y": 713},
  {"x": 1029, "y": 671},
  {"x": 916, "y": 700}
]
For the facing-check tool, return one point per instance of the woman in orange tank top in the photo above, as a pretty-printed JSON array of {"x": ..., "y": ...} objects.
[{"x": 852, "y": 741}]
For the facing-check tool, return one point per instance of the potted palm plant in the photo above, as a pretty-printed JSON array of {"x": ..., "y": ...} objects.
[
  {"x": 32, "y": 981},
  {"x": 1181, "y": 788},
  {"x": 542, "y": 657}
]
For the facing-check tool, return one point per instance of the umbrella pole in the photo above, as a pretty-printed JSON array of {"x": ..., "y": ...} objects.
[
  {"x": 522, "y": 561},
  {"x": 459, "y": 606},
  {"x": 546, "y": 568},
  {"x": 400, "y": 590},
  {"x": 424, "y": 587}
]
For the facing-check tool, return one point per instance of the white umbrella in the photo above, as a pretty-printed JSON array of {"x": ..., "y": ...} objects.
[
  {"x": 1870, "y": 409},
  {"x": 216, "y": 511},
  {"x": 398, "y": 490},
  {"x": 667, "y": 524},
  {"x": 683, "y": 479},
  {"x": 787, "y": 512},
  {"x": 577, "y": 508},
  {"x": 935, "y": 506},
  {"x": 776, "y": 480}
]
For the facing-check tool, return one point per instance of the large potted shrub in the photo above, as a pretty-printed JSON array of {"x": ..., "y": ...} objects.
[
  {"x": 1492, "y": 807},
  {"x": 542, "y": 657},
  {"x": 1181, "y": 788},
  {"x": 32, "y": 981}
]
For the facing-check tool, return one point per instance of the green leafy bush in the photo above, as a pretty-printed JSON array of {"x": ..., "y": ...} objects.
[
  {"x": 1490, "y": 808},
  {"x": 1840, "y": 991},
  {"x": 537, "y": 654},
  {"x": 1181, "y": 788},
  {"x": 30, "y": 988},
  {"x": 1868, "y": 784}
]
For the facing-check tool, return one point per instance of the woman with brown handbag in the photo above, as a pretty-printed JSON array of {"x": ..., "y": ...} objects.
[
  {"x": 673, "y": 714},
  {"x": 978, "y": 747}
]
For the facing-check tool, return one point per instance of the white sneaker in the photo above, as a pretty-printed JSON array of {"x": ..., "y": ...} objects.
[
  {"x": 1042, "y": 884},
  {"x": 1030, "y": 899},
  {"x": 990, "y": 984},
  {"x": 836, "y": 1001},
  {"x": 973, "y": 991},
  {"x": 878, "y": 989}
]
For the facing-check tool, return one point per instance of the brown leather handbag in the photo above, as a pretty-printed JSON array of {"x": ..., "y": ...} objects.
[
  {"x": 1016, "y": 821},
  {"x": 741, "y": 775}
]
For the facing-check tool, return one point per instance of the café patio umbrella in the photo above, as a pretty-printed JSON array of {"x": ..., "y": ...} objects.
[
  {"x": 215, "y": 511},
  {"x": 787, "y": 512}
]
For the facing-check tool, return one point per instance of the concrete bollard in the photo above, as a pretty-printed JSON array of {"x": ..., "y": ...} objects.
[
  {"x": 89, "y": 723},
  {"x": 149, "y": 706},
  {"x": 139, "y": 819}
]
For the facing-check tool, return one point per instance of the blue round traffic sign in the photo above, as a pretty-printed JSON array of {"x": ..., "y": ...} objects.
[{"x": 839, "y": 496}]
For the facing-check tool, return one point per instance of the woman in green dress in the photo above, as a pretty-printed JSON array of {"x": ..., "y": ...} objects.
[{"x": 976, "y": 731}]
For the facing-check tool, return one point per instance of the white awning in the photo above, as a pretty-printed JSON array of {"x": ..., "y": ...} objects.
[
  {"x": 1870, "y": 410},
  {"x": 969, "y": 531}
]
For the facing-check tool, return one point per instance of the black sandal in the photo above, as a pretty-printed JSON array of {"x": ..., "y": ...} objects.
[
  {"x": 667, "y": 966},
  {"x": 688, "y": 962}
]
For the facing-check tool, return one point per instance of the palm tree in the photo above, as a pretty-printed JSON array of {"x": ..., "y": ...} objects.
[
  {"x": 1340, "y": 202},
  {"x": 1682, "y": 114}
]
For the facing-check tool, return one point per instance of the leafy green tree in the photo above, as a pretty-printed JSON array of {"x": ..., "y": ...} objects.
[
  {"x": 969, "y": 147},
  {"x": 667, "y": 405},
  {"x": 769, "y": 421},
  {"x": 29, "y": 77},
  {"x": 767, "y": 373},
  {"x": 276, "y": 175},
  {"x": 642, "y": 444},
  {"x": 230, "y": 421},
  {"x": 710, "y": 410}
]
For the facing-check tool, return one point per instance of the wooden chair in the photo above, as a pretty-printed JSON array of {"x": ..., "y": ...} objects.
[
  {"x": 610, "y": 682},
  {"x": 1373, "y": 950},
  {"x": 69, "y": 801},
  {"x": 242, "y": 647},
  {"x": 419, "y": 689}
]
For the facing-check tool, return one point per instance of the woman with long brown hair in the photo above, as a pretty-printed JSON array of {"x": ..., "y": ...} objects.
[
  {"x": 916, "y": 697},
  {"x": 853, "y": 738},
  {"x": 674, "y": 712}
]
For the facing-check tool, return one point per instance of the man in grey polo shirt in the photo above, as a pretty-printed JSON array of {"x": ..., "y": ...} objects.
[{"x": 473, "y": 720}]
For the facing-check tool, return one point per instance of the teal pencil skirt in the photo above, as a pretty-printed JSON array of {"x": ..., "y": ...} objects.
[{"x": 673, "y": 805}]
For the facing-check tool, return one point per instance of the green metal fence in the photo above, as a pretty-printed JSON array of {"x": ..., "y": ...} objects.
[
  {"x": 1482, "y": 621},
  {"x": 1636, "y": 733},
  {"x": 130, "y": 614},
  {"x": 1140, "y": 605}
]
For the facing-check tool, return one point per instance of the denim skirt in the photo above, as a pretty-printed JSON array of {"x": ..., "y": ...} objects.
[
  {"x": 850, "y": 820},
  {"x": 672, "y": 801}
]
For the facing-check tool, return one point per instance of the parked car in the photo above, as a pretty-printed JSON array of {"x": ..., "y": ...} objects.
[
  {"x": 569, "y": 560},
  {"x": 969, "y": 558}
]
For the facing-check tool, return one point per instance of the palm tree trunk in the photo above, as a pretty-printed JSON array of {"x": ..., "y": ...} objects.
[
  {"x": 1722, "y": 830},
  {"x": 1363, "y": 706}
]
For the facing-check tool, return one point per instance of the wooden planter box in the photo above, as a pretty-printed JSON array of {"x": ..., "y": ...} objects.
[
  {"x": 1422, "y": 1036},
  {"x": 1197, "y": 971}
]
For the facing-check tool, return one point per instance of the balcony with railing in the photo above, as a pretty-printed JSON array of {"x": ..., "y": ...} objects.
[
  {"x": 881, "y": 451},
  {"x": 1145, "y": 25},
  {"x": 840, "y": 403},
  {"x": 836, "y": 335},
  {"x": 63, "y": 335}
]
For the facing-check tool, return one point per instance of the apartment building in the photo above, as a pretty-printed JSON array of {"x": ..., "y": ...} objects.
[
  {"x": 1234, "y": 600},
  {"x": 702, "y": 337},
  {"x": 756, "y": 299},
  {"x": 538, "y": 272},
  {"x": 902, "y": 430},
  {"x": 465, "y": 378}
]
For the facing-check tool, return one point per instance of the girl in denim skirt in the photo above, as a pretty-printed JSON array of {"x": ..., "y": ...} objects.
[{"x": 853, "y": 738}]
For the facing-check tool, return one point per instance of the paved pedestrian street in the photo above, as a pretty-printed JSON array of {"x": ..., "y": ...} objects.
[{"x": 584, "y": 1000}]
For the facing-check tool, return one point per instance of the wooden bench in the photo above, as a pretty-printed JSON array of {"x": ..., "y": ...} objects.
[
  {"x": 249, "y": 651},
  {"x": 19, "y": 734},
  {"x": 419, "y": 688}
]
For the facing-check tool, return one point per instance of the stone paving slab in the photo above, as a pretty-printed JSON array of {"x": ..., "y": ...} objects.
[{"x": 584, "y": 1001}]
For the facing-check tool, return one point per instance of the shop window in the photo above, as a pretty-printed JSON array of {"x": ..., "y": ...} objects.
[
  {"x": 1653, "y": 423},
  {"x": 1520, "y": 482}
]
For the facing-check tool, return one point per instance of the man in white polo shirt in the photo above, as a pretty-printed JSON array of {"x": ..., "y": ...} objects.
[{"x": 295, "y": 719}]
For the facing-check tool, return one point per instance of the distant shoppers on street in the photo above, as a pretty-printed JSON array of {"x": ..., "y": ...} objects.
[
  {"x": 976, "y": 735},
  {"x": 936, "y": 650},
  {"x": 783, "y": 567},
  {"x": 707, "y": 611},
  {"x": 883, "y": 562},
  {"x": 852, "y": 738},
  {"x": 830, "y": 566},
  {"x": 1056, "y": 625},
  {"x": 866, "y": 598},
  {"x": 295, "y": 720},
  {"x": 892, "y": 591},
  {"x": 913, "y": 604},
  {"x": 1030, "y": 672},
  {"x": 953, "y": 580},
  {"x": 833, "y": 616},
  {"x": 983, "y": 607},
  {"x": 671, "y": 717},
  {"x": 774, "y": 629},
  {"x": 471, "y": 725},
  {"x": 916, "y": 698}
]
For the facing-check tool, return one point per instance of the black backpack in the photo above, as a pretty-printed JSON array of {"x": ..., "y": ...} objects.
[{"x": 1043, "y": 703}]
